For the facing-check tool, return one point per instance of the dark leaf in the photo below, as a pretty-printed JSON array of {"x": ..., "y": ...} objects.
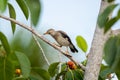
[
  {"x": 103, "y": 17},
  {"x": 52, "y": 68},
  {"x": 82, "y": 44},
  {"x": 23, "y": 7},
  {"x": 110, "y": 23},
  {"x": 3, "y": 4},
  {"x": 118, "y": 75},
  {"x": 110, "y": 1},
  {"x": 62, "y": 74},
  {"x": 12, "y": 15},
  {"x": 6, "y": 69},
  {"x": 116, "y": 64},
  {"x": 24, "y": 64},
  {"x": 63, "y": 67},
  {"x": 43, "y": 73},
  {"x": 110, "y": 50},
  {"x": 35, "y": 9},
  {"x": 112, "y": 53},
  {"x": 33, "y": 78},
  {"x": 78, "y": 75},
  {"x": 69, "y": 75},
  {"x": 4, "y": 42},
  {"x": 104, "y": 72},
  {"x": 118, "y": 14},
  {"x": 100, "y": 78}
]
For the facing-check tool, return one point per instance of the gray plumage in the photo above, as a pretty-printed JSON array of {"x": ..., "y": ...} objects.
[{"x": 62, "y": 38}]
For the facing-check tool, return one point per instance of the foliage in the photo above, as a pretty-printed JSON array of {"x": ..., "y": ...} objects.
[
  {"x": 12, "y": 15},
  {"x": 103, "y": 18},
  {"x": 82, "y": 44},
  {"x": 3, "y": 4},
  {"x": 23, "y": 7},
  {"x": 27, "y": 7},
  {"x": 52, "y": 69},
  {"x": 4, "y": 42},
  {"x": 112, "y": 49}
]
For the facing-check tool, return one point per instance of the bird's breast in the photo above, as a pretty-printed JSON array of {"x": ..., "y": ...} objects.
[{"x": 62, "y": 41}]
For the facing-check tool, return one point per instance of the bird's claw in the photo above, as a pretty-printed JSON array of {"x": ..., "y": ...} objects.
[
  {"x": 57, "y": 44},
  {"x": 66, "y": 52}
]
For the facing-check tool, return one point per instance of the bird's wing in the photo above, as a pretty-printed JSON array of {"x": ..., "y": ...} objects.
[{"x": 65, "y": 35}]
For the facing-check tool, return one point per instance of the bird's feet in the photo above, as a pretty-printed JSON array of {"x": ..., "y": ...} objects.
[
  {"x": 57, "y": 44},
  {"x": 67, "y": 52}
]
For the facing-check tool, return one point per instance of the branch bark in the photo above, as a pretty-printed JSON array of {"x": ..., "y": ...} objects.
[
  {"x": 44, "y": 39},
  {"x": 96, "y": 51}
]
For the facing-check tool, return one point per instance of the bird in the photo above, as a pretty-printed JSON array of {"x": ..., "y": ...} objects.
[{"x": 62, "y": 39}]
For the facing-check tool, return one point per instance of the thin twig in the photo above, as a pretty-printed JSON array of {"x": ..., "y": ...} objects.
[
  {"x": 37, "y": 42},
  {"x": 44, "y": 39},
  {"x": 41, "y": 49}
]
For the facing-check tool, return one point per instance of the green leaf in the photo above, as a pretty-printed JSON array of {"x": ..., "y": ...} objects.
[
  {"x": 118, "y": 14},
  {"x": 6, "y": 69},
  {"x": 63, "y": 67},
  {"x": 61, "y": 74},
  {"x": 69, "y": 75},
  {"x": 118, "y": 75},
  {"x": 35, "y": 9},
  {"x": 23, "y": 7},
  {"x": 105, "y": 71},
  {"x": 4, "y": 42},
  {"x": 110, "y": 0},
  {"x": 52, "y": 68},
  {"x": 103, "y": 17},
  {"x": 110, "y": 50},
  {"x": 24, "y": 64},
  {"x": 43, "y": 73},
  {"x": 3, "y": 4},
  {"x": 12, "y": 15},
  {"x": 78, "y": 75},
  {"x": 110, "y": 23},
  {"x": 84, "y": 62},
  {"x": 116, "y": 64},
  {"x": 112, "y": 53},
  {"x": 82, "y": 44}
]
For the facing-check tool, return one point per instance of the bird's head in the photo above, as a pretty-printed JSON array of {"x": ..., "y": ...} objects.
[{"x": 50, "y": 32}]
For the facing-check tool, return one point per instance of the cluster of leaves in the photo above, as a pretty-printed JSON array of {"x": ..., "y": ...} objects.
[
  {"x": 12, "y": 61},
  {"x": 103, "y": 18},
  {"x": 112, "y": 54},
  {"x": 66, "y": 72},
  {"x": 27, "y": 7},
  {"x": 112, "y": 46}
]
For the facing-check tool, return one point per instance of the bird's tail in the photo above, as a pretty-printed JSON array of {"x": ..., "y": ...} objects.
[{"x": 72, "y": 48}]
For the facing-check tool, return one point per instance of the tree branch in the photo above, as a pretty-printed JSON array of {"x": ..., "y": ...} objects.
[
  {"x": 44, "y": 39},
  {"x": 96, "y": 52},
  {"x": 116, "y": 32}
]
